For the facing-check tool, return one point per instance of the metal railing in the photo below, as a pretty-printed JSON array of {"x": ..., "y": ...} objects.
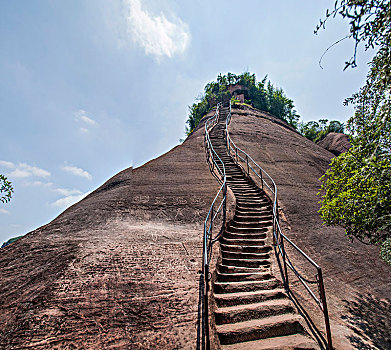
[
  {"x": 216, "y": 215},
  {"x": 250, "y": 167}
]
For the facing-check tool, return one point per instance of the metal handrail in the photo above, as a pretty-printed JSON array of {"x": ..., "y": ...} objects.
[
  {"x": 217, "y": 168},
  {"x": 278, "y": 237}
]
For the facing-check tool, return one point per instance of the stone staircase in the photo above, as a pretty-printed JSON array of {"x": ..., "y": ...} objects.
[{"x": 252, "y": 309}]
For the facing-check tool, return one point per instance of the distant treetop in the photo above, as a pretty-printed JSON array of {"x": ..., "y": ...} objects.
[{"x": 244, "y": 88}]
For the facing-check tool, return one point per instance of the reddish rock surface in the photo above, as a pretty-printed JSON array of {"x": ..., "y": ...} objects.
[
  {"x": 335, "y": 142},
  {"x": 358, "y": 282},
  {"x": 120, "y": 269}
]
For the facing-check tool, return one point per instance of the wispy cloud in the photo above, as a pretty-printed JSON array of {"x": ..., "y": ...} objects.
[
  {"x": 23, "y": 170},
  {"x": 3, "y": 211},
  {"x": 68, "y": 196},
  {"x": 69, "y": 200},
  {"x": 86, "y": 121},
  {"x": 66, "y": 192},
  {"x": 6, "y": 164},
  {"x": 39, "y": 183},
  {"x": 77, "y": 171},
  {"x": 157, "y": 35}
]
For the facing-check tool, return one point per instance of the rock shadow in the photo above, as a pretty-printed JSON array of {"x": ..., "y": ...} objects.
[{"x": 370, "y": 318}]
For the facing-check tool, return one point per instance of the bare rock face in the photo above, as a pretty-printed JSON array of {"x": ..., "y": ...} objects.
[
  {"x": 120, "y": 269},
  {"x": 335, "y": 142}
]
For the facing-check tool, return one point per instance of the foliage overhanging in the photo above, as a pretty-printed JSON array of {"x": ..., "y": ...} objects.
[
  {"x": 6, "y": 189},
  {"x": 356, "y": 190}
]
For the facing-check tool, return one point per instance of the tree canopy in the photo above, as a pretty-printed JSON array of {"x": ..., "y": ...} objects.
[
  {"x": 317, "y": 130},
  {"x": 356, "y": 190},
  {"x": 262, "y": 95}
]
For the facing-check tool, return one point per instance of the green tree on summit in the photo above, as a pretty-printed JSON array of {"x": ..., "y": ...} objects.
[{"x": 262, "y": 95}]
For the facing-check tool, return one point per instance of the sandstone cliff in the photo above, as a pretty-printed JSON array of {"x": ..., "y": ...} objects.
[{"x": 120, "y": 269}]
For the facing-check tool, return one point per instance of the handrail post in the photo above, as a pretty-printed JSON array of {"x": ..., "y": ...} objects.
[
  {"x": 260, "y": 173},
  {"x": 274, "y": 231},
  {"x": 286, "y": 279},
  {"x": 325, "y": 310},
  {"x": 225, "y": 203},
  {"x": 206, "y": 306}
]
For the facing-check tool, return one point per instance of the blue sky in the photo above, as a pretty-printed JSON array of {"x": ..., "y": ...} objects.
[{"x": 89, "y": 88}]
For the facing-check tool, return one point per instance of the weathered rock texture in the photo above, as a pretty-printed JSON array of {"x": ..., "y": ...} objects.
[
  {"x": 120, "y": 269},
  {"x": 354, "y": 273},
  {"x": 335, "y": 142}
]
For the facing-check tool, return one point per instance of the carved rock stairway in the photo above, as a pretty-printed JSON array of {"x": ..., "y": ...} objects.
[{"x": 252, "y": 309}]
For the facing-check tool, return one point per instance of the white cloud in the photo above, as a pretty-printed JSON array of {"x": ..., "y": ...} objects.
[
  {"x": 39, "y": 183},
  {"x": 19, "y": 173},
  {"x": 69, "y": 200},
  {"x": 67, "y": 192},
  {"x": 58, "y": 190},
  {"x": 23, "y": 170},
  {"x": 77, "y": 171},
  {"x": 81, "y": 116},
  {"x": 6, "y": 164},
  {"x": 3, "y": 211},
  {"x": 157, "y": 35}
]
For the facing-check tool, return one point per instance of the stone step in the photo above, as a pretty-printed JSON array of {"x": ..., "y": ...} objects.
[
  {"x": 238, "y": 182},
  {"x": 260, "y": 198},
  {"x": 248, "y": 189},
  {"x": 240, "y": 255},
  {"x": 242, "y": 276},
  {"x": 246, "y": 262},
  {"x": 250, "y": 198},
  {"x": 238, "y": 235},
  {"x": 239, "y": 269},
  {"x": 233, "y": 227},
  {"x": 287, "y": 342},
  {"x": 252, "y": 204},
  {"x": 267, "y": 215},
  {"x": 242, "y": 242},
  {"x": 253, "y": 211},
  {"x": 240, "y": 313},
  {"x": 243, "y": 187},
  {"x": 264, "y": 222},
  {"x": 231, "y": 299},
  {"x": 261, "y": 248},
  {"x": 245, "y": 286},
  {"x": 274, "y": 326}
]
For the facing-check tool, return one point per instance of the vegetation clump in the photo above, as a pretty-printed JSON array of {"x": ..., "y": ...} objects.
[
  {"x": 11, "y": 240},
  {"x": 316, "y": 131},
  {"x": 262, "y": 95}
]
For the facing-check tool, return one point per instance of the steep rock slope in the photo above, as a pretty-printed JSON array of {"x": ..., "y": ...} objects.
[
  {"x": 357, "y": 280},
  {"x": 118, "y": 269}
]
